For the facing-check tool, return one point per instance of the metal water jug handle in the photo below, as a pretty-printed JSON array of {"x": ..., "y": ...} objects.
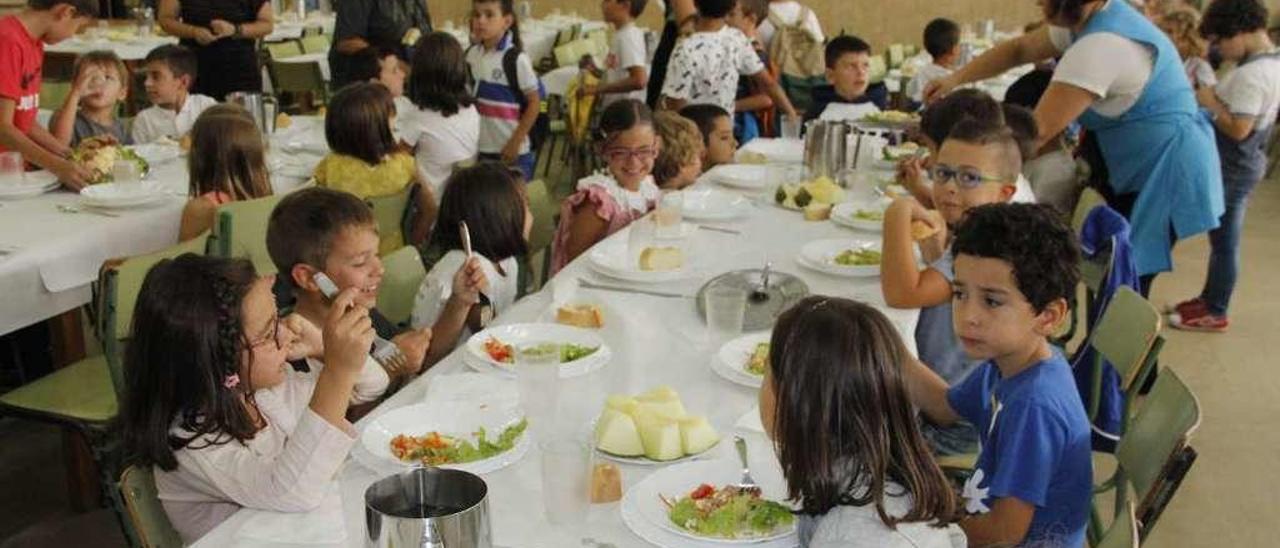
[{"x": 269, "y": 122}]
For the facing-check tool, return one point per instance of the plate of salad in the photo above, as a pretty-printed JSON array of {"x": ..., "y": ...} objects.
[
  {"x": 472, "y": 436},
  {"x": 845, "y": 258},
  {"x": 743, "y": 360},
  {"x": 581, "y": 350},
  {"x": 860, "y": 216},
  {"x": 698, "y": 501}
]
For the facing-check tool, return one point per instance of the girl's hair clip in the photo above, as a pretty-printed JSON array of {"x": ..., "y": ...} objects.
[{"x": 232, "y": 381}]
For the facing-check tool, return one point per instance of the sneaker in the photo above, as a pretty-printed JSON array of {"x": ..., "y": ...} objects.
[
  {"x": 1199, "y": 320},
  {"x": 1188, "y": 307}
]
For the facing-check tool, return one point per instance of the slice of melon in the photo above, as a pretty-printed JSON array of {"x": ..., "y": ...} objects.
[
  {"x": 697, "y": 435},
  {"x": 660, "y": 436},
  {"x": 616, "y": 434},
  {"x": 662, "y": 401},
  {"x": 622, "y": 403}
]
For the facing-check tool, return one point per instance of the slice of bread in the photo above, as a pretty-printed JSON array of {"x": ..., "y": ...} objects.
[
  {"x": 580, "y": 315},
  {"x": 661, "y": 258}
]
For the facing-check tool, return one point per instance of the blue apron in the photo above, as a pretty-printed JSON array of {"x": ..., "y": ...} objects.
[{"x": 1162, "y": 148}]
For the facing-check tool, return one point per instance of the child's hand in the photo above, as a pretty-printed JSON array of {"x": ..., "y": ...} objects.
[
  {"x": 222, "y": 28},
  {"x": 911, "y": 171},
  {"x": 348, "y": 333},
  {"x": 511, "y": 151},
  {"x": 414, "y": 345},
  {"x": 469, "y": 282},
  {"x": 83, "y": 81},
  {"x": 307, "y": 340},
  {"x": 71, "y": 174}
]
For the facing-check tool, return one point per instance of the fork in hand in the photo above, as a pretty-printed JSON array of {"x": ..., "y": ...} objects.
[{"x": 388, "y": 355}]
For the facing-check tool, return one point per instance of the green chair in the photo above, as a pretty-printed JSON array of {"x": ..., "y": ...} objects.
[
  {"x": 53, "y": 94},
  {"x": 1092, "y": 271},
  {"x": 281, "y": 50},
  {"x": 1128, "y": 336},
  {"x": 404, "y": 273},
  {"x": 316, "y": 43},
  {"x": 1154, "y": 454},
  {"x": 150, "y": 525},
  {"x": 298, "y": 78},
  {"x": 394, "y": 213},
  {"x": 878, "y": 70},
  {"x": 241, "y": 231},
  {"x": 896, "y": 53},
  {"x": 1123, "y": 532},
  {"x": 1089, "y": 199},
  {"x": 544, "y": 208}
]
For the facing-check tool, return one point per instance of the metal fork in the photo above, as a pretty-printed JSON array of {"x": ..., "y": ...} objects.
[
  {"x": 388, "y": 355},
  {"x": 746, "y": 484}
]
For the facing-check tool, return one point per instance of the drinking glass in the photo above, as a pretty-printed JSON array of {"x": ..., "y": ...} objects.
[
  {"x": 566, "y": 471},
  {"x": 126, "y": 172},
  {"x": 790, "y": 127},
  {"x": 669, "y": 215},
  {"x": 11, "y": 168},
  {"x": 639, "y": 236},
  {"x": 538, "y": 382},
  {"x": 725, "y": 308}
]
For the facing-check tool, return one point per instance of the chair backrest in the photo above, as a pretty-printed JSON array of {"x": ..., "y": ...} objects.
[
  {"x": 297, "y": 78},
  {"x": 1123, "y": 532},
  {"x": 281, "y": 50},
  {"x": 544, "y": 209},
  {"x": 52, "y": 94},
  {"x": 150, "y": 524},
  {"x": 897, "y": 53},
  {"x": 404, "y": 273},
  {"x": 315, "y": 43},
  {"x": 879, "y": 69},
  {"x": 1153, "y": 452},
  {"x": 241, "y": 231},
  {"x": 1089, "y": 199},
  {"x": 392, "y": 212},
  {"x": 1126, "y": 333},
  {"x": 1094, "y": 271}
]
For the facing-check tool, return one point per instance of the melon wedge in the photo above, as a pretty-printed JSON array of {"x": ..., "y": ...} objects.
[
  {"x": 697, "y": 435},
  {"x": 660, "y": 436},
  {"x": 662, "y": 401},
  {"x": 622, "y": 403},
  {"x": 616, "y": 433}
]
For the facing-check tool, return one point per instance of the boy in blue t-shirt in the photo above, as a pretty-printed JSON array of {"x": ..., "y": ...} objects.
[{"x": 1014, "y": 270}]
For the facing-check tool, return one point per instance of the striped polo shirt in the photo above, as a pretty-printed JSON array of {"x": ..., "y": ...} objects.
[{"x": 497, "y": 104}]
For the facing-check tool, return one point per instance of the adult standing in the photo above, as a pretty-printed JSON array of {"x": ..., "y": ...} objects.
[
  {"x": 679, "y": 16},
  {"x": 1122, "y": 79},
  {"x": 223, "y": 35},
  {"x": 395, "y": 24}
]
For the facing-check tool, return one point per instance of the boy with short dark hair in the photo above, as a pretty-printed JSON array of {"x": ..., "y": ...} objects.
[
  {"x": 752, "y": 106},
  {"x": 716, "y": 127},
  {"x": 1015, "y": 269},
  {"x": 706, "y": 65},
  {"x": 171, "y": 71},
  {"x": 1244, "y": 105},
  {"x": 847, "y": 96},
  {"x": 22, "y": 40},
  {"x": 383, "y": 65},
  {"x": 942, "y": 41},
  {"x": 626, "y": 69}
]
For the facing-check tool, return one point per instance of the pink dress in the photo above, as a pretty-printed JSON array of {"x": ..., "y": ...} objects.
[
  {"x": 217, "y": 198},
  {"x": 614, "y": 204}
]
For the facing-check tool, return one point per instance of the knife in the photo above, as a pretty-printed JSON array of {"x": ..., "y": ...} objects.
[{"x": 614, "y": 288}]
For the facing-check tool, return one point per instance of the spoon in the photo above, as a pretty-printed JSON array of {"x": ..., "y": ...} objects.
[{"x": 761, "y": 292}]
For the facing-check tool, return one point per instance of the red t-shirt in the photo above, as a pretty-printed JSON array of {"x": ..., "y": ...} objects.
[{"x": 21, "y": 63}]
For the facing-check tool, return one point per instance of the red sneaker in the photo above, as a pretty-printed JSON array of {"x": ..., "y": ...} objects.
[
  {"x": 1199, "y": 320},
  {"x": 1188, "y": 307}
]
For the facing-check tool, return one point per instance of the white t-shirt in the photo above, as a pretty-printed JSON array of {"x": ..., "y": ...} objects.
[
  {"x": 1022, "y": 193},
  {"x": 155, "y": 122},
  {"x": 789, "y": 12},
  {"x": 440, "y": 142},
  {"x": 498, "y": 105},
  {"x": 1110, "y": 66},
  {"x": 1253, "y": 90},
  {"x": 437, "y": 287},
  {"x": 705, "y": 67},
  {"x": 626, "y": 51},
  {"x": 926, "y": 74}
]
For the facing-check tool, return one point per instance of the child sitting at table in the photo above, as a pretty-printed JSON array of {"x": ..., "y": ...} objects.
[
  {"x": 863, "y": 476},
  {"x": 23, "y": 37},
  {"x": 366, "y": 160},
  {"x": 627, "y": 70},
  {"x": 680, "y": 151},
  {"x": 171, "y": 71},
  {"x": 847, "y": 95},
  {"x": 716, "y": 128},
  {"x": 942, "y": 42},
  {"x": 320, "y": 230},
  {"x": 606, "y": 203},
  {"x": 100, "y": 84},
  {"x": 977, "y": 164},
  {"x": 227, "y": 163},
  {"x": 442, "y": 123},
  {"x": 211, "y": 402},
  {"x": 492, "y": 201},
  {"x": 381, "y": 65},
  {"x": 1015, "y": 269}
]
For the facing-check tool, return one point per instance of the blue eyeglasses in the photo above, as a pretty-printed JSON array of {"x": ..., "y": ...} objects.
[{"x": 967, "y": 178}]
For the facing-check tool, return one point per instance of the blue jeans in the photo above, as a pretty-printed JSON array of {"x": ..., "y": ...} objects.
[
  {"x": 525, "y": 162},
  {"x": 1224, "y": 244}
]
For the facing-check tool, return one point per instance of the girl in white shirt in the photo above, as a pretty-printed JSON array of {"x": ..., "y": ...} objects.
[
  {"x": 211, "y": 402},
  {"x": 443, "y": 127},
  {"x": 460, "y": 294}
]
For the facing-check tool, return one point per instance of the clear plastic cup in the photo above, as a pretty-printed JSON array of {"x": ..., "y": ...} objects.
[
  {"x": 725, "y": 308},
  {"x": 791, "y": 127},
  {"x": 538, "y": 382},
  {"x": 669, "y": 216},
  {"x": 11, "y": 168},
  {"x": 640, "y": 235},
  {"x": 126, "y": 172},
  {"x": 566, "y": 473}
]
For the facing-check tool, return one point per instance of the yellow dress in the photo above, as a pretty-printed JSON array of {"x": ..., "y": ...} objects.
[{"x": 351, "y": 174}]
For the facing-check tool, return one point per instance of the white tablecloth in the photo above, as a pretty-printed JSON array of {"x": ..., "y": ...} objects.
[
  {"x": 321, "y": 59},
  {"x": 655, "y": 341},
  {"x": 58, "y": 254},
  {"x": 131, "y": 50}
]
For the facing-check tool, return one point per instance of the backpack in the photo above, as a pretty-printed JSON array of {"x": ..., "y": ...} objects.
[
  {"x": 542, "y": 126},
  {"x": 799, "y": 57}
]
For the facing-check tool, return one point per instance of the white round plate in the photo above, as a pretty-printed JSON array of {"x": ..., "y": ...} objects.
[
  {"x": 686, "y": 230},
  {"x": 645, "y": 461},
  {"x": 34, "y": 183},
  {"x": 614, "y": 261},
  {"x": 709, "y": 204},
  {"x": 114, "y": 195},
  {"x": 156, "y": 153},
  {"x": 676, "y": 481},
  {"x": 456, "y": 419},
  {"x": 731, "y": 361},
  {"x": 819, "y": 255},
  {"x": 846, "y": 215},
  {"x": 744, "y": 176},
  {"x": 534, "y": 333}
]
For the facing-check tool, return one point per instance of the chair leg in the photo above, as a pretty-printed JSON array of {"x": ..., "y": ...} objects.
[
  {"x": 84, "y": 488},
  {"x": 1095, "y": 525}
]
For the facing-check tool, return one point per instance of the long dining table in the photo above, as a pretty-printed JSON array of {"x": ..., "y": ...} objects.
[{"x": 654, "y": 341}]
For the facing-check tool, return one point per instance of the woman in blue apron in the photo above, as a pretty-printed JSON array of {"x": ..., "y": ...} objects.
[{"x": 1122, "y": 79}]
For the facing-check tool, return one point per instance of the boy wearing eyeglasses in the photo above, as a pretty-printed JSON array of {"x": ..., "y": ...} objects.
[{"x": 977, "y": 164}]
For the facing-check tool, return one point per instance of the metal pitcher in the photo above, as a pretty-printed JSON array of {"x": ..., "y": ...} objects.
[
  {"x": 428, "y": 508},
  {"x": 257, "y": 105},
  {"x": 826, "y": 150}
]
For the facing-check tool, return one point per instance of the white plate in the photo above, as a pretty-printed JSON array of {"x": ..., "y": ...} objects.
[
  {"x": 25, "y": 190},
  {"x": 708, "y": 204},
  {"x": 843, "y": 214},
  {"x": 456, "y": 419},
  {"x": 156, "y": 153},
  {"x": 819, "y": 255},
  {"x": 731, "y": 361},
  {"x": 533, "y": 333},
  {"x": 782, "y": 151},
  {"x": 614, "y": 261},
  {"x": 744, "y": 176},
  {"x": 678, "y": 480},
  {"x": 115, "y": 195},
  {"x": 644, "y": 461}
]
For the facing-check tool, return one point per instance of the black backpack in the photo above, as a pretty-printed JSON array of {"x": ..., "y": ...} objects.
[{"x": 542, "y": 126}]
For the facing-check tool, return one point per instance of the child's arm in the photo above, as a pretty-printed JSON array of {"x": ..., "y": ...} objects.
[
  {"x": 1237, "y": 128},
  {"x": 767, "y": 83},
  {"x": 69, "y": 173},
  {"x": 637, "y": 78},
  {"x": 468, "y": 283},
  {"x": 929, "y": 393},
  {"x": 197, "y": 217},
  {"x": 586, "y": 229},
  {"x": 62, "y": 125},
  {"x": 752, "y": 103},
  {"x": 1005, "y": 525},
  {"x": 427, "y": 210},
  {"x": 903, "y": 283},
  {"x": 511, "y": 152},
  {"x": 673, "y": 104}
]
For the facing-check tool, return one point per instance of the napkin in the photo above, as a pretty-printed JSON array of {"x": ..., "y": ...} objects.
[
  {"x": 787, "y": 151},
  {"x": 323, "y": 525},
  {"x": 750, "y": 421}
]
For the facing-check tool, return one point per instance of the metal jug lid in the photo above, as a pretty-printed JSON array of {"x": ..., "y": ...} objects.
[{"x": 765, "y": 302}]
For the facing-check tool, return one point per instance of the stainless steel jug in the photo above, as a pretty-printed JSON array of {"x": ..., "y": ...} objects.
[
  {"x": 256, "y": 104},
  {"x": 428, "y": 508},
  {"x": 826, "y": 150}
]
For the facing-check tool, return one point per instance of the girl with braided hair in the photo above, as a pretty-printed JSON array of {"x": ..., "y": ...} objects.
[{"x": 213, "y": 404}]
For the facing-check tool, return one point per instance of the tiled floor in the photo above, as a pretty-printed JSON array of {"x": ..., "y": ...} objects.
[{"x": 1229, "y": 497}]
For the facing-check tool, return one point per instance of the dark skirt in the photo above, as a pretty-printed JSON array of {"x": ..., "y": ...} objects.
[{"x": 226, "y": 66}]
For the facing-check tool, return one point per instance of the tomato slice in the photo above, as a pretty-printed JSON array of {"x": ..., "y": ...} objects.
[{"x": 703, "y": 491}]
